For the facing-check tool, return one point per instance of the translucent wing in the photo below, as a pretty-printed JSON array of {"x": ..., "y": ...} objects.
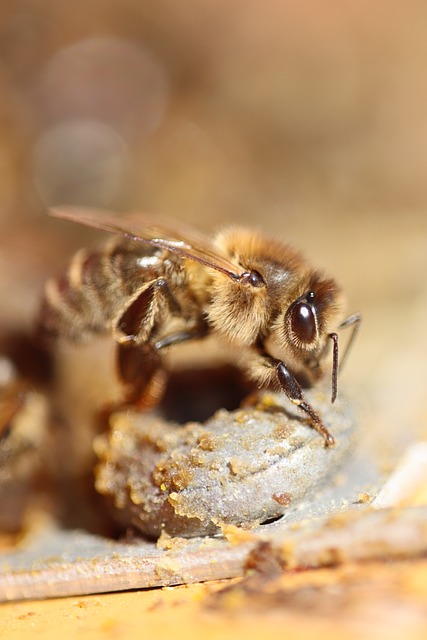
[{"x": 171, "y": 236}]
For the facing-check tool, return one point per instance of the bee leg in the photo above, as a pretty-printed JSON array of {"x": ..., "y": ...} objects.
[
  {"x": 294, "y": 392},
  {"x": 140, "y": 369},
  {"x": 135, "y": 322},
  {"x": 162, "y": 285},
  {"x": 140, "y": 366},
  {"x": 197, "y": 332}
]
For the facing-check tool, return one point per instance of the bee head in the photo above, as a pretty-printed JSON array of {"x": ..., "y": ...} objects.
[{"x": 310, "y": 319}]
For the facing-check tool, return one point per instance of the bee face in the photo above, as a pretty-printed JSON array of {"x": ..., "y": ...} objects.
[
  {"x": 313, "y": 315},
  {"x": 279, "y": 298}
]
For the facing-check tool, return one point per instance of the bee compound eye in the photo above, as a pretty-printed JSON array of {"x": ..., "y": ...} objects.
[{"x": 303, "y": 322}]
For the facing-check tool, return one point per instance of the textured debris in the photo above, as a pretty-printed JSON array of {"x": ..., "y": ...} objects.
[{"x": 243, "y": 467}]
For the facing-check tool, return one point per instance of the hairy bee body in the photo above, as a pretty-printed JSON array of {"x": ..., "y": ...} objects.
[
  {"x": 151, "y": 287},
  {"x": 88, "y": 299}
]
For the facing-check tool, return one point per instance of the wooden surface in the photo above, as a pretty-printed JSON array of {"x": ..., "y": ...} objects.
[{"x": 369, "y": 601}]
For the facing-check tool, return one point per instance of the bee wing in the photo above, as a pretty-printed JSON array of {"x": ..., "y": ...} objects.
[{"x": 176, "y": 238}]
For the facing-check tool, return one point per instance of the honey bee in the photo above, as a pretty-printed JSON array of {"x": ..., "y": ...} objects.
[{"x": 154, "y": 285}]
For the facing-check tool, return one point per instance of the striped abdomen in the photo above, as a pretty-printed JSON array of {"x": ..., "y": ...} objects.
[{"x": 96, "y": 287}]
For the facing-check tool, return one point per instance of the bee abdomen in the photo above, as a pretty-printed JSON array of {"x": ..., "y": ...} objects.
[
  {"x": 73, "y": 306},
  {"x": 87, "y": 297}
]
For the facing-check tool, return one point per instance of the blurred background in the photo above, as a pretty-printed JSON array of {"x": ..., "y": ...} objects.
[{"x": 305, "y": 119}]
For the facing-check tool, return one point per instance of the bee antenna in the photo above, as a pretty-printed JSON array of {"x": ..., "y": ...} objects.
[
  {"x": 352, "y": 321},
  {"x": 334, "y": 338}
]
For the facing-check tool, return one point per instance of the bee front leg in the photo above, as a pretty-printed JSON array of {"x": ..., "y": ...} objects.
[{"x": 294, "y": 392}]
